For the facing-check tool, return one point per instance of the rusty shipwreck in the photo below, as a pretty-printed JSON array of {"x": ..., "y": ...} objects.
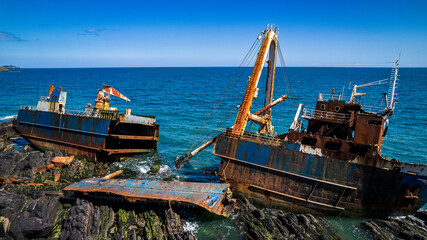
[
  {"x": 331, "y": 166},
  {"x": 100, "y": 132}
]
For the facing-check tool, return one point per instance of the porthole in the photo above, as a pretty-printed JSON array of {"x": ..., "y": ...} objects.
[
  {"x": 322, "y": 107},
  {"x": 337, "y": 108}
]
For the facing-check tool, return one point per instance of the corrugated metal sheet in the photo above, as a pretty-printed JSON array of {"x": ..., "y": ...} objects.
[{"x": 213, "y": 197}]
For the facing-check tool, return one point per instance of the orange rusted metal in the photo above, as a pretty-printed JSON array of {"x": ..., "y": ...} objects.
[
  {"x": 113, "y": 175},
  {"x": 62, "y": 161},
  {"x": 57, "y": 176},
  {"x": 214, "y": 197}
]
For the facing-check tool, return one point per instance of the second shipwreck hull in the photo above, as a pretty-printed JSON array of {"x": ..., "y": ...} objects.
[
  {"x": 86, "y": 136},
  {"x": 277, "y": 174}
]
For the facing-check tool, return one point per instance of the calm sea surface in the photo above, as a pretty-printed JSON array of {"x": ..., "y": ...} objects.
[{"x": 182, "y": 99}]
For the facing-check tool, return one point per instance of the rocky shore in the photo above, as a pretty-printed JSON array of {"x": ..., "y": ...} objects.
[{"x": 33, "y": 206}]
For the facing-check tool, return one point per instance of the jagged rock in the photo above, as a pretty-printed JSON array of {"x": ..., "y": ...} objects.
[
  {"x": 280, "y": 225},
  {"x": 33, "y": 227},
  {"x": 27, "y": 148},
  {"x": 28, "y": 218},
  {"x": 28, "y": 166},
  {"x": 11, "y": 204},
  {"x": 79, "y": 169},
  {"x": 7, "y": 131},
  {"x": 173, "y": 222},
  {"x": 4, "y": 226},
  {"x": 6, "y": 145},
  {"x": 409, "y": 227},
  {"x": 153, "y": 226},
  {"x": 8, "y": 162},
  {"x": 76, "y": 224}
]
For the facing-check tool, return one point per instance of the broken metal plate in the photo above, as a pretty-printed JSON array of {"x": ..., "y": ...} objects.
[{"x": 214, "y": 197}]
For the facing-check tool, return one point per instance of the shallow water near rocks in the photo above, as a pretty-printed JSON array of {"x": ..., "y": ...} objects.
[{"x": 182, "y": 98}]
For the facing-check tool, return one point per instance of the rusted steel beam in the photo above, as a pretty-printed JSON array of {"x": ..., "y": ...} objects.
[
  {"x": 297, "y": 198},
  {"x": 282, "y": 98},
  {"x": 181, "y": 160},
  {"x": 133, "y": 137},
  {"x": 214, "y": 197},
  {"x": 127, "y": 151},
  {"x": 113, "y": 175}
]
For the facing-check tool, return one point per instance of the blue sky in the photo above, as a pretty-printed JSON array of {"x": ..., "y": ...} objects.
[{"x": 210, "y": 33}]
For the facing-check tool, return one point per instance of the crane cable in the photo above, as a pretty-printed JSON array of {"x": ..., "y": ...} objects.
[
  {"x": 231, "y": 83},
  {"x": 286, "y": 77},
  {"x": 232, "y": 107}
]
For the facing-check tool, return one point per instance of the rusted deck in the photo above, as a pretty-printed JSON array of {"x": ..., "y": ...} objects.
[{"x": 214, "y": 197}]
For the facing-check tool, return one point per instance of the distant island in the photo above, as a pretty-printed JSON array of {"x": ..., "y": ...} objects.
[
  {"x": 11, "y": 66},
  {"x": 6, "y": 68},
  {"x": 3, "y": 69}
]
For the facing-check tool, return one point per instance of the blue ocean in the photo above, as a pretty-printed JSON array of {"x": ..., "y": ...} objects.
[{"x": 192, "y": 105}]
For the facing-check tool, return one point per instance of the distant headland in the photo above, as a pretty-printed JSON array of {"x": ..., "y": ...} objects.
[{"x": 7, "y": 68}]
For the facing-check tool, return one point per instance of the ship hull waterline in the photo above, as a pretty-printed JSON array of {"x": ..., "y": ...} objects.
[{"x": 277, "y": 175}]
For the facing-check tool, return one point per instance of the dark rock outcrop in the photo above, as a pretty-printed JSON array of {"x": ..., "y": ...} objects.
[
  {"x": 28, "y": 218},
  {"x": 88, "y": 220},
  {"x": 410, "y": 227},
  {"x": 281, "y": 225}
]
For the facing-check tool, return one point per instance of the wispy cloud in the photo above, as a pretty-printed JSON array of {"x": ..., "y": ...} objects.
[
  {"x": 6, "y": 36},
  {"x": 93, "y": 32}
]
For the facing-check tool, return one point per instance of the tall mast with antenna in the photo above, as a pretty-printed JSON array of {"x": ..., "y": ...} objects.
[{"x": 393, "y": 86}]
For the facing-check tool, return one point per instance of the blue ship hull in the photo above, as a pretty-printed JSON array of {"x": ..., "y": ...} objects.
[{"x": 94, "y": 138}]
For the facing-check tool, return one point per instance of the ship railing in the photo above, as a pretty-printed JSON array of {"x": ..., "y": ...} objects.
[
  {"x": 253, "y": 135},
  {"x": 328, "y": 96},
  {"x": 372, "y": 109},
  {"x": 26, "y": 107},
  {"x": 317, "y": 114},
  {"x": 113, "y": 115}
]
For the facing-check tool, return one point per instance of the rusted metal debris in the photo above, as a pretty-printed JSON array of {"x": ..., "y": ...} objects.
[
  {"x": 62, "y": 161},
  {"x": 214, "y": 197},
  {"x": 57, "y": 162},
  {"x": 113, "y": 175}
]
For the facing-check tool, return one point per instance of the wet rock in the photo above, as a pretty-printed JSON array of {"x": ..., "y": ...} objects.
[
  {"x": 173, "y": 222},
  {"x": 76, "y": 223},
  {"x": 154, "y": 169},
  {"x": 153, "y": 226},
  {"x": 11, "y": 204},
  {"x": 410, "y": 227},
  {"x": 281, "y": 225},
  {"x": 79, "y": 169},
  {"x": 27, "y": 148},
  {"x": 4, "y": 226},
  {"x": 26, "y": 217},
  {"x": 6, "y": 145},
  {"x": 8, "y": 162},
  {"x": 34, "y": 227},
  {"x": 7, "y": 131},
  {"x": 28, "y": 166}
]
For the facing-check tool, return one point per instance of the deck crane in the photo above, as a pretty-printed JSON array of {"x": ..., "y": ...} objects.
[
  {"x": 268, "y": 49},
  {"x": 102, "y": 102}
]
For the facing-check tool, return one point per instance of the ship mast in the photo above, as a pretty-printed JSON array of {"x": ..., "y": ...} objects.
[
  {"x": 392, "y": 90},
  {"x": 268, "y": 45},
  {"x": 262, "y": 117}
]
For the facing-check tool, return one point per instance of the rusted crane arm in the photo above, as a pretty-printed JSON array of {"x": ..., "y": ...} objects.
[
  {"x": 282, "y": 98},
  {"x": 181, "y": 160}
]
